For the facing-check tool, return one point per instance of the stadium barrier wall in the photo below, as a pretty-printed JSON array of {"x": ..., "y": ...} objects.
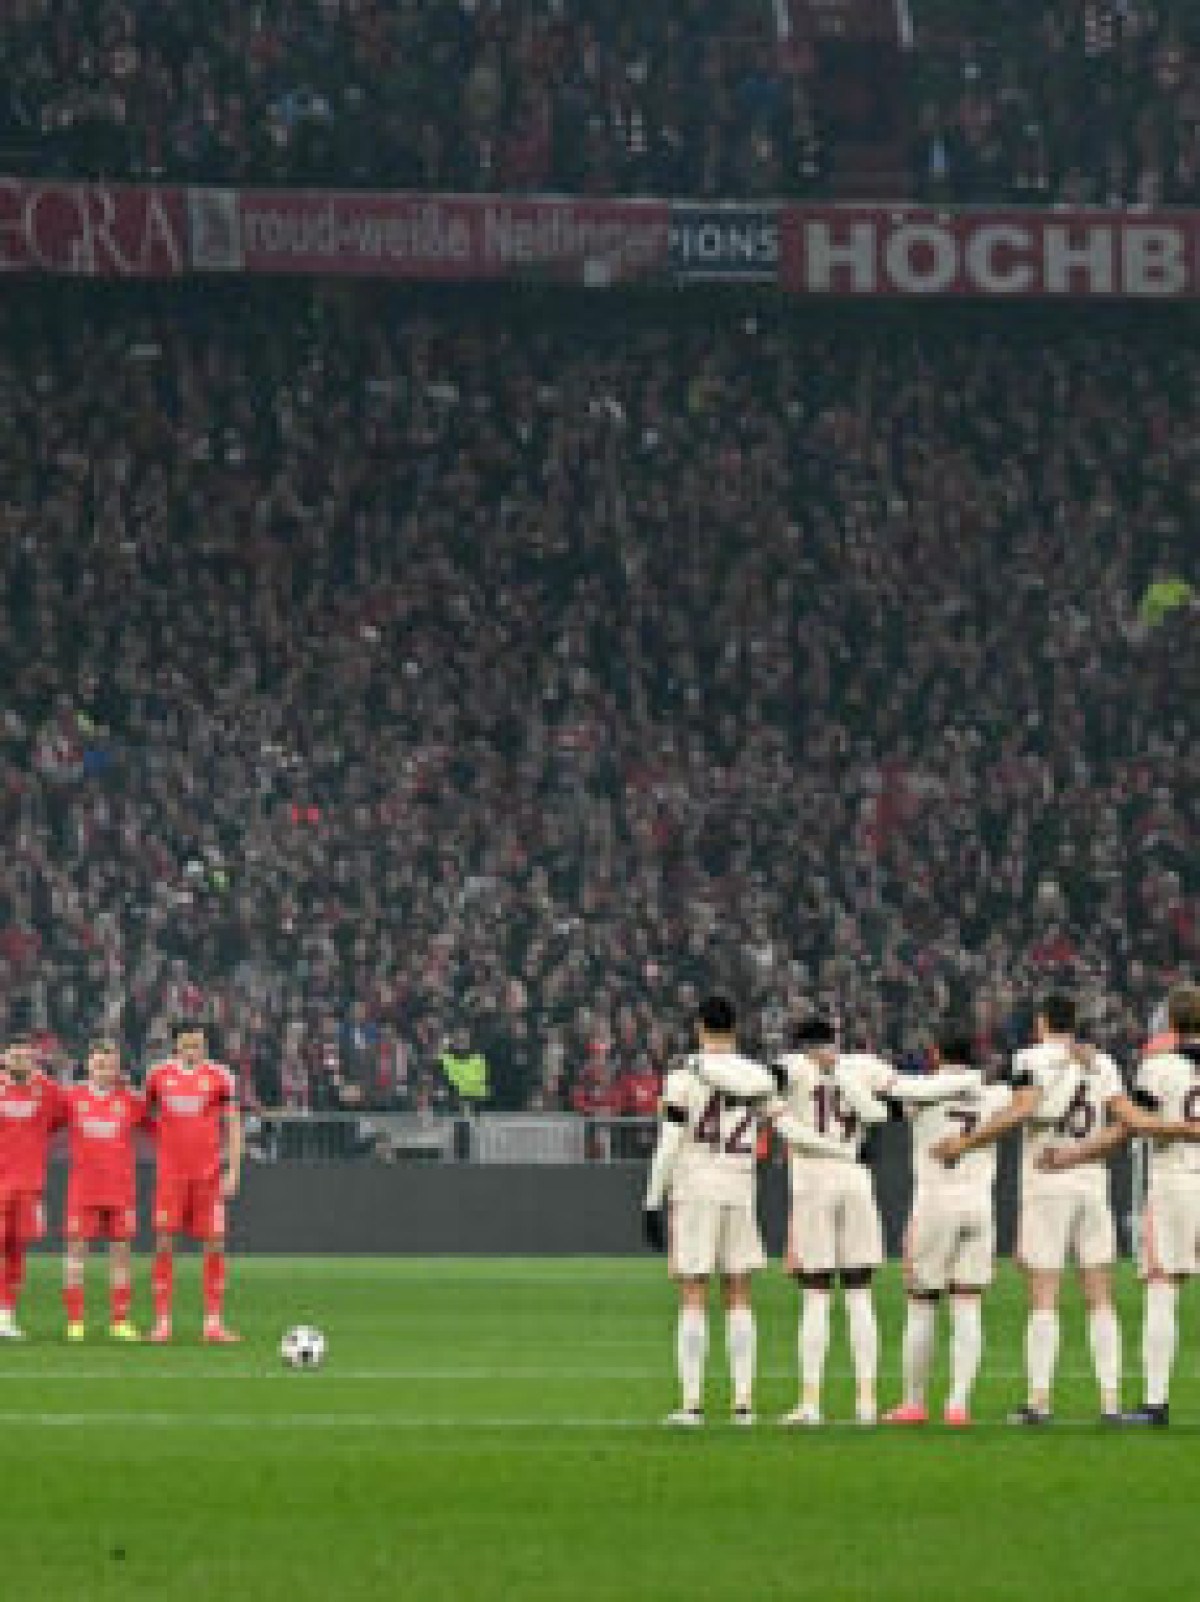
[{"x": 531, "y": 1209}]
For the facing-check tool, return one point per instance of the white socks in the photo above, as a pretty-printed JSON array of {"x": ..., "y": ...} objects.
[
  {"x": 1105, "y": 1335},
  {"x": 1158, "y": 1340},
  {"x": 1041, "y": 1354},
  {"x": 739, "y": 1343},
  {"x": 920, "y": 1332},
  {"x": 814, "y": 1342},
  {"x": 691, "y": 1347},
  {"x": 864, "y": 1346},
  {"x": 966, "y": 1348}
]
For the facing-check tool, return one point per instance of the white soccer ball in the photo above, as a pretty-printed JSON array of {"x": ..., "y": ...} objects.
[{"x": 303, "y": 1347}]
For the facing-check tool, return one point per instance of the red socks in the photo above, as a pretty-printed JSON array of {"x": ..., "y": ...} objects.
[
  {"x": 14, "y": 1275},
  {"x": 214, "y": 1285},
  {"x": 120, "y": 1300},
  {"x": 162, "y": 1286},
  {"x": 73, "y": 1302}
]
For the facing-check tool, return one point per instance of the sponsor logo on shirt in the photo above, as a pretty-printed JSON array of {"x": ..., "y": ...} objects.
[
  {"x": 19, "y": 1109},
  {"x": 188, "y": 1106},
  {"x": 100, "y": 1128}
]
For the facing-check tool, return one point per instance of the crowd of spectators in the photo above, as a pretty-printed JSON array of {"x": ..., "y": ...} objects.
[
  {"x": 1063, "y": 102},
  {"x": 1053, "y": 102},
  {"x": 628, "y": 96},
  {"x": 385, "y": 675}
]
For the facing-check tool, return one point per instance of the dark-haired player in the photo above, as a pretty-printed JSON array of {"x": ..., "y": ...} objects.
[
  {"x": 194, "y": 1106},
  {"x": 102, "y": 1117},
  {"x": 1167, "y": 1090},
  {"x": 704, "y": 1166},
  {"x": 835, "y": 1231},
  {"x": 1063, "y": 1090},
  {"x": 950, "y": 1244},
  {"x": 31, "y": 1108}
]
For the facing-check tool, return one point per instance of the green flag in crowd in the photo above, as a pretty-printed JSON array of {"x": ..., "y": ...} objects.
[
  {"x": 1163, "y": 596},
  {"x": 468, "y": 1075}
]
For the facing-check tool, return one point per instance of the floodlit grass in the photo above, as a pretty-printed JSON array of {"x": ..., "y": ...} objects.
[{"x": 490, "y": 1428}]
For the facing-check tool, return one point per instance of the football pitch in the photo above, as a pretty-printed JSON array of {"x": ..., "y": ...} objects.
[{"x": 491, "y": 1428}]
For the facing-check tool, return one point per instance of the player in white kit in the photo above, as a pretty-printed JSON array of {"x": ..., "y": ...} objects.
[
  {"x": 704, "y": 1164},
  {"x": 1167, "y": 1088},
  {"x": 835, "y": 1229},
  {"x": 950, "y": 1243},
  {"x": 1064, "y": 1091}
]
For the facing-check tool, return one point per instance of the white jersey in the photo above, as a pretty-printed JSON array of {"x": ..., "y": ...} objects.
[
  {"x": 717, "y": 1156},
  {"x": 817, "y": 1098},
  {"x": 974, "y": 1174},
  {"x": 1073, "y": 1100},
  {"x": 1169, "y": 1084}
]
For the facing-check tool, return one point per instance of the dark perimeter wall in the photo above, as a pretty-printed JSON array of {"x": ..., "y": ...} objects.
[{"x": 544, "y": 1210}]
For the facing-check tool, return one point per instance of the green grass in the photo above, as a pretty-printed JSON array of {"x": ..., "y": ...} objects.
[{"x": 489, "y": 1428}]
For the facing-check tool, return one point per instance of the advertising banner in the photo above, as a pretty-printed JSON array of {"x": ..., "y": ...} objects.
[
  {"x": 92, "y": 230},
  {"x": 431, "y": 237},
  {"x": 900, "y": 251}
]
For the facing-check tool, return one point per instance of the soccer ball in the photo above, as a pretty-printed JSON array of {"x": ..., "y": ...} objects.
[{"x": 303, "y": 1347}]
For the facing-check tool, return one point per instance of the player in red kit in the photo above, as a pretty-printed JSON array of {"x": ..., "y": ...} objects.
[
  {"x": 31, "y": 1109},
  {"x": 194, "y": 1106},
  {"x": 102, "y": 1117}
]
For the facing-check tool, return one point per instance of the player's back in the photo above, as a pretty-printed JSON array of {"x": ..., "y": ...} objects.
[
  {"x": 1074, "y": 1091},
  {"x": 815, "y": 1097},
  {"x": 716, "y": 1159},
  {"x": 974, "y": 1173},
  {"x": 1169, "y": 1081}
]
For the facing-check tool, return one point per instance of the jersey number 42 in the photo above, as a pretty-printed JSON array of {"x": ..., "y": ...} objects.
[{"x": 725, "y": 1129}]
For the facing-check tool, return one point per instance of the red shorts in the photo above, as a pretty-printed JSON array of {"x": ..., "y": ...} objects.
[
  {"x": 22, "y": 1219},
  {"x": 184, "y": 1206},
  {"x": 100, "y": 1223}
]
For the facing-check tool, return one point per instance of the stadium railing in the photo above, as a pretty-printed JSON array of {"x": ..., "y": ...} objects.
[{"x": 492, "y": 1138}]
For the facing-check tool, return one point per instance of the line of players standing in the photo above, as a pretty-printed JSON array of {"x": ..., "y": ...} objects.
[
  {"x": 1070, "y": 1103},
  {"x": 189, "y": 1110}
]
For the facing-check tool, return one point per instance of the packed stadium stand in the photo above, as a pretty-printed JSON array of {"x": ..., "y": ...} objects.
[
  {"x": 1068, "y": 100},
  {"x": 385, "y": 670},
  {"x": 629, "y": 96}
]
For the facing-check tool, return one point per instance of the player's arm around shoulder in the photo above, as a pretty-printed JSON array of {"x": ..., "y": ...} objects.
[
  {"x": 860, "y": 1078},
  {"x": 1019, "y": 1107}
]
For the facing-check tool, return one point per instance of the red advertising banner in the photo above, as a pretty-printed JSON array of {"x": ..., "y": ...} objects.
[
  {"x": 92, "y": 230},
  {"x": 438, "y": 237},
  {"x": 902, "y": 251},
  {"x": 100, "y": 230}
]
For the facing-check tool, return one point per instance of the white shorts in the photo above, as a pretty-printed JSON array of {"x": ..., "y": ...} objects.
[
  {"x": 835, "y": 1226},
  {"x": 950, "y": 1244},
  {"x": 1170, "y": 1242},
  {"x": 711, "y": 1237},
  {"x": 1056, "y": 1229}
]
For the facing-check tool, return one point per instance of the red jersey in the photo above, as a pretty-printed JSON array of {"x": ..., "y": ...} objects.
[
  {"x": 187, "y": 1105},
  {"x": 100, "y": 1129},
  {"x": 29, "y": 1115}
]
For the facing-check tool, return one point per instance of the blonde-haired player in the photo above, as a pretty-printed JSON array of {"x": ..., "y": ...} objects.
[{"x": 102, "y": 1117}]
